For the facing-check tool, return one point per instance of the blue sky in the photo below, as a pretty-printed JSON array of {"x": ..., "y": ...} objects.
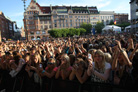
[{"x": 14, "y": 8}]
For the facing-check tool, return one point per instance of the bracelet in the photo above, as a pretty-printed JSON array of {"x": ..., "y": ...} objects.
[{"x": 43, "y": 71}]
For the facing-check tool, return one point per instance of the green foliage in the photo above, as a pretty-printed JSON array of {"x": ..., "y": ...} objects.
[
  {"x": 99, "y": 26},
  {"x": 125, "y": 24},
  {"x": 87, "y": 27},
  {"x": 111, "y": 22},
  {"x": 66, "y": 32},
  {"x": 82, "y": 31}
]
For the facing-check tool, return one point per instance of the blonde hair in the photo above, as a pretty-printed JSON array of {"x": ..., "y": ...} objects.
[
  {"x": 102, "y": 65},
  {"x": 39, "y": 59},
  {"x": 67, "y": 59},
  {"x": 108, "y": 57}
]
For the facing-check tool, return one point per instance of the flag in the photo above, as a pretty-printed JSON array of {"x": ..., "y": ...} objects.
[{"x": 115, "y": 22}]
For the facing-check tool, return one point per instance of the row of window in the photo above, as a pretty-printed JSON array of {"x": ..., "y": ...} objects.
[
  {"x": 32, "y": 12},
  {"x": 45, "y": 22},
  {"x": 106, "y": 17},
  {"x": 77, "y": 20},
  {"x": 70, "y": 16},
  {"x": 37, "y": 32}
]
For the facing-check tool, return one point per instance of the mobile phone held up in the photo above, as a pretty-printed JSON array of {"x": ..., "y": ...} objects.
[{"x": 40, "y": 65}]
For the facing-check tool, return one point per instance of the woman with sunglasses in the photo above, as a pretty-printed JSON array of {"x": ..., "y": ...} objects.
[
  {"x": 51, "y": 68},
  {"x": 48, "y": 74}
]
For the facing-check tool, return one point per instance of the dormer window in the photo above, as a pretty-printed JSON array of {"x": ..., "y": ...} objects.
[
  {"x": 70, "y": 11},
  {"x": 54, "y": 11}
]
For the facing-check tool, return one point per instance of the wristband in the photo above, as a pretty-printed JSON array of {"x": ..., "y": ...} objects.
[{"x": 43, "y": 71}]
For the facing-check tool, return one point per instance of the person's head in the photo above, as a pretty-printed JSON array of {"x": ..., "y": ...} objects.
[
  {"x": 65, "y": 60},
  {"x": 33, "y": 50},
  {"x": 17, "y": 58},
  {"x": 92, "y": 52},
  {"x": 27, "y": 58},
  {"x": 108, "y": 57},
  {"x": 51, "y": 62},
  {"x": 103, "y": 48},
  {"x": 72, "y": 58},
  {"x": 80, "y": 63},
  {"x": 120, "y": 59},
  {"x": 36, "y": 58},
  {"x": 99, "y": 59}
]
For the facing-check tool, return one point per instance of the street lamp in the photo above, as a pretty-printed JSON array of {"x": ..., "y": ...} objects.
[{"x": 25, "y": 24}]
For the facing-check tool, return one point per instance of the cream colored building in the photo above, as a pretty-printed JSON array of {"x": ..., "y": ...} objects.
[
  {"x": 106, "y": 16},
  {"x": 38, "y": 20}
]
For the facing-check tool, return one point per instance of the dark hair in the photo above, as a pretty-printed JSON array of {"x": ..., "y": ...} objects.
[{"x": 7, "y": 53}]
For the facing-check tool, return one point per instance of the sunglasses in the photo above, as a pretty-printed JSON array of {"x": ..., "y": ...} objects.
[{"x": 50, "y": 63}]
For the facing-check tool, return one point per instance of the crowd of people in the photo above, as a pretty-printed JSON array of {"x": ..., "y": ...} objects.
[{"x": 108, "y": 58}]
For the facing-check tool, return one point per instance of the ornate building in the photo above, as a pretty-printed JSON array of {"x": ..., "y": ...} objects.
[{"x": 38, "y": 20}]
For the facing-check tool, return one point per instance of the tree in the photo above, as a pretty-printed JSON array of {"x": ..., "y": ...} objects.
[
  {"x": 87, "y": 27},
  {"x": 99, "y": 26},
  {"x": 82, "y": 31},
  {"x": 123, "y": 25},
  {"x": 111, "y": 22}
]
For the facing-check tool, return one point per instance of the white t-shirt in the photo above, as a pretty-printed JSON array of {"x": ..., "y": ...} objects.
[{"x": 107, "y": 65}]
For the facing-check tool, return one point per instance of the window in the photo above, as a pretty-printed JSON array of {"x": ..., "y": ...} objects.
[
  {"x": 30, "y": 18},
  {"x": 49, "y": 22},
  {"x": 41, "y": 22},
  {"x": 45, "y": 22},
  {"x": 70, "y": 11},
  {"x": 55, "y": 25},
  {"x": 70, "y": 20},
  {"x": 70, "y": 16},
  {"x": 66, "y": 16},
  {"x": 54, "y": 16},
  {"x": 46, "y": 26},
  {"x": 41, "y": 27},
  {"x": 66, "y": 24},
  {"x": 63, "y": 25},
  {"x": 37, "y": 32},
  {"x": 54, "y": 11},
  {"x": 43, "y": 32},
  {"x": 31, "y": 32},
  {"x": 49, "y": 26},
  {"x": 55, "y": 21},
  {"x": 70, "y": 24}
]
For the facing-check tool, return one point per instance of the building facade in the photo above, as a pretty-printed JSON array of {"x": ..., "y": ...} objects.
[
  {"x": 134, "y": 15},
  {"x": 6, "y": 27},
  {"x": 38, "y": 20},
  {"x": 106, "y": 17},
  {"x": 94, "y": 15},
  {"x": 121, "y": 18}
]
